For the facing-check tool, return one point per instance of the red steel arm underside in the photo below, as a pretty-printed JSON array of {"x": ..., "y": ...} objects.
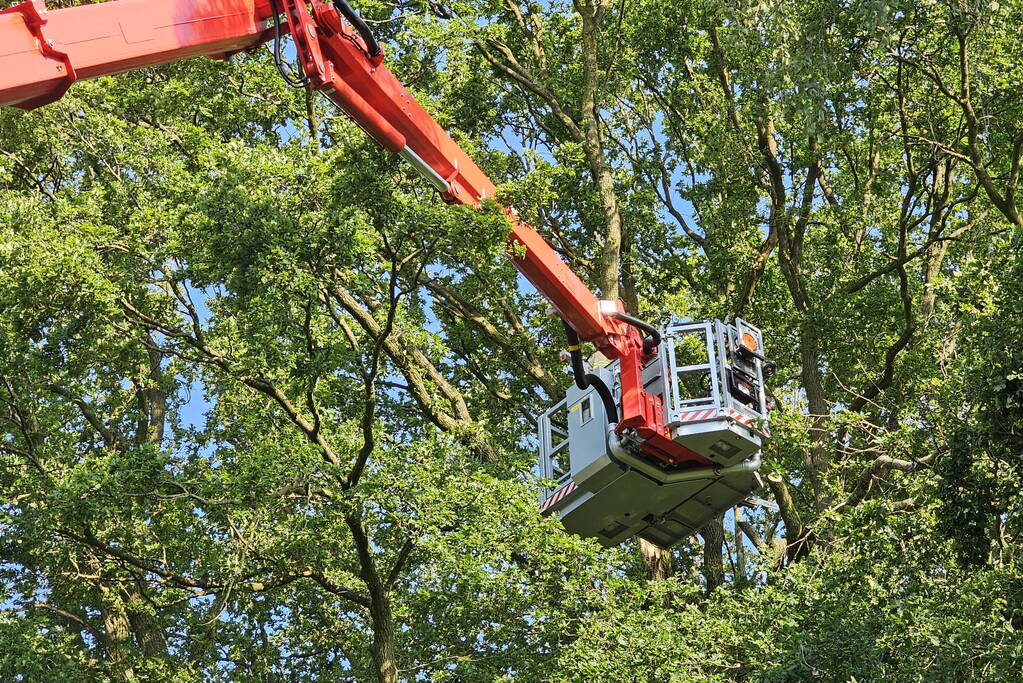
[{"x": 43, "y": 52}]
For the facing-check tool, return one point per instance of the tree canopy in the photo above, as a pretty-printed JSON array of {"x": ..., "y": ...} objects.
[{"x": 268, "y": 404}]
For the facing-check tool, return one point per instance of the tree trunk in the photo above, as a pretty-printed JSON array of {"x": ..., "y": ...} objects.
[
  {"x": 145, "y": 626},
  {"x": 381, "y": 616},
  {"x": 656, "y": 559},
  {"x": 383, "y": 640},
  {"x": 817, "y": 458},
  {"x": 607, "y": 277},
  {"x": 740, "y": 550},
  {"x": 313, "y": 120},
  {"x": 118, "y": 641},
  {"x": 713, "y": 562},
  {"x": 796, "y": 537}
]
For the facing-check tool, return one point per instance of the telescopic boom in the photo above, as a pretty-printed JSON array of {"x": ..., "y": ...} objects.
[{"x": 42, "y": 52}]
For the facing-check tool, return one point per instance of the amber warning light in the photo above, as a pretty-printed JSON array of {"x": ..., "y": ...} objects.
[{"x": 749, "y": 341}]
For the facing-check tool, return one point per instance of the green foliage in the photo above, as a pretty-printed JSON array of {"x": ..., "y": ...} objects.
[
  {"x": 266, "y": 401},
  {"x": 980, "y": 479}
]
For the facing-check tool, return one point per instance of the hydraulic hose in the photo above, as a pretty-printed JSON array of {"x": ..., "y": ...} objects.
[
  {"x": 285, "y": 71},
  {"x": 576, "y": 355},
  {"x": 605, "y": 396},
  {"x": 653, "y": 338},
  {"x": 349, "y": 13},
  {"x": 584, "y": 380}
]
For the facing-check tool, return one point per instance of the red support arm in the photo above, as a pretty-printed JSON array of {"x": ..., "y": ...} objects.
[
  {"x": 42, "y": 52},
  {"x": 337, "y": 63}
]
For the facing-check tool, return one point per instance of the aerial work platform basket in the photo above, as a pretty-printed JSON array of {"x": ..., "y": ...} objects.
[{"x": 710, "y": 378}]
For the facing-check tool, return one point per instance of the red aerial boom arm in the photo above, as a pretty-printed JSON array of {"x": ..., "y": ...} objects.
[{"x": 43, "y": 52}]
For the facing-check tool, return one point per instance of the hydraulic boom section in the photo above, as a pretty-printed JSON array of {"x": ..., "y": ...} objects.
[{"x": 43, "y": 52}]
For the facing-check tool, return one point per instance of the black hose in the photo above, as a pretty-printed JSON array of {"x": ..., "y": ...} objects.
[
  {"x": 574, "y": 352},
  {"x": 286, "y": 74},
  {"x": 653, "y": 339},
  {"x": 349, "y": 13},
  {"x": 605, "y": 397},
  {"x": 584, "y": 380}
]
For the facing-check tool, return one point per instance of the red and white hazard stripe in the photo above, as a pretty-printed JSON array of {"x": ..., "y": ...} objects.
[
  {"x": 694, "y": 415},
  {"x": 741, "y": 418},
  {"x": 744, "y": 419},
  {"x": 558, "y": 496},
  {"x": 708, "y": 413}
]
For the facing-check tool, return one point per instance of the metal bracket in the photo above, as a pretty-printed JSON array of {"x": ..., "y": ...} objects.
[
  {"x": 756, "y": 501},
  {"x": 32, "y": 12}
]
